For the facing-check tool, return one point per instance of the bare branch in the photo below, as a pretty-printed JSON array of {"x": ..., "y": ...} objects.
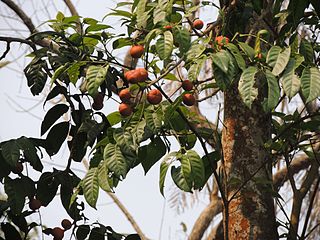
[{"x": 71, "y": 8}]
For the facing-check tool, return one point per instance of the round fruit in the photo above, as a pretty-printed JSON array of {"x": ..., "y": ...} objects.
[
  {"x": 136, "y": 51},
  {"x": 222, "y": 40},
  {"x": 34, "y": 204},
  {"x": 154, "y": 96},
  {"x": 188, "y": 99},
  {"x": 142, "y": 74},
  {"x": 66, "y": 224},
  {"x": 97, "y": 106},
  {"x": 125, "y": 95},
  {"x": 58, "y": 233},
  {"x": 125, "y": 109},
  {"x": 198, "y": 24},
  {"x": 18, "y": 169},
  {"x": 132, "y": 76},
  {"x": 168, "y": 27},
  {"x": 187, "y": 85}
]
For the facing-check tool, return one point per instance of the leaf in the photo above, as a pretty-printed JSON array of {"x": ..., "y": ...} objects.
[
  {"x": 290, "y": 81},
  {"x": 36, "y": 77},
  {"x": 307, "y": 51},
  {"x": 151, "y": 35},
  {"x": 273, "y": 90},
  {"x": 82, "y": 232},
  {"x": 114, "y": 118},
  {"x": 30, "y": 153},
  {"x": 221, "y": 60},
  {"x": 97, "y": 27},
  {"x": 16, "y": 195},
  {"x": 95, "y": 76},
  {"x": 183, "y": 38},
  {"x": 52, "y": 116},
  {"x": 249, "y": 51},
  {"x": 281, "y": 62},
  {"x": 10, "y": 232},
  {"x": 103, "y": 176},
  {"x": 246, "y": 87},
  {"x": 47, "y": 187},
  {"x": 11, "y": 152},
  {"x": 310, "y": 83},
  {"x": 195, "y": 52},
  {"x": 197, "y": 169},
  {"x": 57, "y": 73},
  {"x": 195, "y": 69},
  {"x": 272, "y": 55},
  {"x": 90, "y": 185},
  {"x": 168, "y": 159},
  {"x": 237, "y": 55},
  {"x": 142, "y": 15},
  {"x": 56, "y": 137},
  {"x": 164, "y": 45},
  {"x": 115, "y": 160},
  {"x": 179, "y": 179},
  {"x": 153, "y": 120},
  {"x": 186, "y": 170},
  {"x": 74, "y": 71}
]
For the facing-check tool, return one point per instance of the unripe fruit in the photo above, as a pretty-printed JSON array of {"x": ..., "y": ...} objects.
[
  {"x": 136, "y": 51},
  {"x": 34, "y": 204},
  {"x": 188, "y": 99},
  {"x": 58, "y": 233},
  {"x": 198, "y": 24},
  {"x": 18, "y": 169},
  {"x": 154, "y": 96},
  {"x": 187, "y": 85},
  {"x": 125, "y": 109},
  {"x": 125, "y": 95},
  {"x": 66, "y": 224},
  {"x": 222, "y": 40}
]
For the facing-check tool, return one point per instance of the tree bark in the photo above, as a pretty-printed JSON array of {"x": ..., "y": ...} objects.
[{"x": 247, "y": 170}]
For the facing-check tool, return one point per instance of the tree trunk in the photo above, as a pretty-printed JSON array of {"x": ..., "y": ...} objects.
[{"x": 247, "y": 170}]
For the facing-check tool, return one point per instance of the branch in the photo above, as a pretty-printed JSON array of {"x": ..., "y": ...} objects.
[
  {"x": 9, "y": 40},
  {"x": 71, "y": 8}
]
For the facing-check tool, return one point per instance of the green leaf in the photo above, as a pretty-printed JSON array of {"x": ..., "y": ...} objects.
[
  {"x": 74, "y": 71},
  {"x": 95, "y": 77},
  {"x": 290, "y": 81},
  {"x": 30, "y": 153},
  {"x": 186, "y": 170},
  {"x": 16, "y": 195},
  {"x": 310, "y": 83},
  {"x": 115, "y": 160},
  {"x": 153, "y": 120},
  {"x": 10, "y": 232},
  {"x": 237, "y": 55},
  {"x": 11, "y": 152},
  {"x": 103, "y": 176},
  {"x": 195, "y": 52},
  {"x": 272, "y": 55},
  {"x": 246, "y": 87},
  {"x": 183, "y": 38},
  {"x": 221, "y": 60},
  {"x": 52, "y": 116},
  {"x": 249, "y": 51},
  {"x": 179, "y": 179},
  {"x": 82, "y": 232},
  {"x": 151, "y": 35},
  {"x": 273, "y": 90},
  {"x": 307, "y": 51},
  {"x": 164, "y": 45},
  {"x": 90, "y": 186},
  {"x": 168, "y": 159},
  {"x": 97, "y": 27},
  {"x": 281, "y": 62},
  {"x": 142, "y": 15},
  {"x": 47, "y": 187},
  {"x": 56, "y": 137},
  {"x": 195, "y": 69},
  {"x": 57, "y": 73},
  {"x": 197, "y": 169},
  {"x": 114, "y": 118},
  {"x": 151, "y": 153}
]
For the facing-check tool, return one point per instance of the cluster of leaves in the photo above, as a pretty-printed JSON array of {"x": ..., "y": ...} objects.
[{"x": 81, "y": 65}]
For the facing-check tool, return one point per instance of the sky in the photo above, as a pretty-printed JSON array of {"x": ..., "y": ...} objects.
[{"x": 22, "y": 115}]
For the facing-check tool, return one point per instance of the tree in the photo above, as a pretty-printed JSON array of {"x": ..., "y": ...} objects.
[{"x": 260, "y": 54}]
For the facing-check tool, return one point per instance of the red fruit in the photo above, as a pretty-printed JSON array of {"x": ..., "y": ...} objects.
[
  {"x": 222, "y": 40},
  {"x": 187, "y": 85},
  {"x": 132, "y": 76},
  {"x": 18, "y": 169},
  {"x": 168, "y": 27},
  {"x": 154, "y": 96},
  {"x": 66, "y": 224},
  {"x": 34, "y": 204},
  {"x": 136, "y": 51},
  {"x": 125, "y": 95},
  {"x": 198, "y": 24},
  {"x": 142, "y": 74},
  {"x": 125, "y": 109},
  {"x": 188, "y": 99},
  {"x": 58, "y": 233}
]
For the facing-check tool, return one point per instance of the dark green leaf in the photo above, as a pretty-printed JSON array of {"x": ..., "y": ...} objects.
[
  {"x": 47, "y": 188},
  {"x": 52, "y": 116},
  {"x": 179, "y": 179},
  {"x": 11, "y": 152},
  {"x": 56, "y": 137},
  {"x": 10, "y": 232},
  {"x": 82, "y": 232}
]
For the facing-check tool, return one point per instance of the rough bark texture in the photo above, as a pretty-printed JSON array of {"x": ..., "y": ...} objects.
[{"x": 250, "y": 214}]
